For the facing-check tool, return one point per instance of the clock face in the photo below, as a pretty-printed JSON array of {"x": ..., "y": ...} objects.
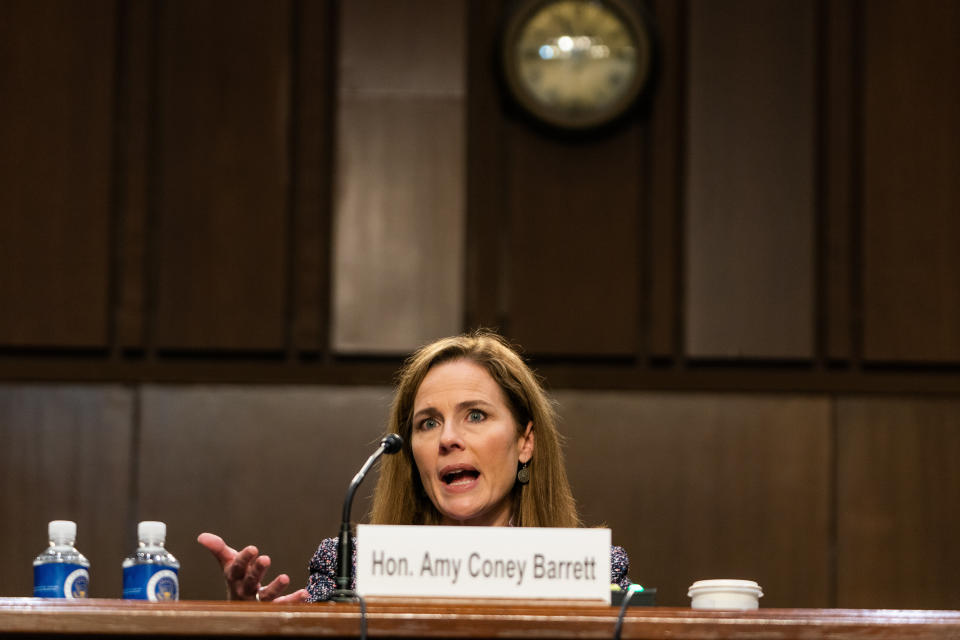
[{"x": 577, "y": 63}]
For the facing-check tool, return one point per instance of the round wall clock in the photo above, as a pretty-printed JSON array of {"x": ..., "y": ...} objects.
[{"x": 577, "y": 64}]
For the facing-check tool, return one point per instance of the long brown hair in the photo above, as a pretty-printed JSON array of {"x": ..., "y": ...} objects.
[{"x": 546, "y": 501}]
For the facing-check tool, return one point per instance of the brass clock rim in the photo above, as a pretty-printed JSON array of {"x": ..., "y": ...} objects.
[{"x": 643, "y": 37}]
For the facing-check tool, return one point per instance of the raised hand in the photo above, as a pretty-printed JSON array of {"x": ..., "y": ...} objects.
[{"x": 243, "y": 573}]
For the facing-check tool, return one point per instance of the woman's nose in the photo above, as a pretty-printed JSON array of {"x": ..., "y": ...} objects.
[{"x": 450, "y": 437}]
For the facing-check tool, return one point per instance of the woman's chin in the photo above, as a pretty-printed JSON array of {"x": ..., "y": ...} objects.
[
  {"x": 472, "y": 516},
  {"x": 460, "y": 515}
]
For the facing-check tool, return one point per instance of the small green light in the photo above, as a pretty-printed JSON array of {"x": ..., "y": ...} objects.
[{"x": 636, "y": 587}]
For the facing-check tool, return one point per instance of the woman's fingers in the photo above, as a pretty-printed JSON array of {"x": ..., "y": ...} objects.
[
  {"x": 244, "y": 570},
  {"x": 241, "y": 572},
  {"x": 273, "y": 591},
  {"x": 297, "y": 596},
  {"x": 215, "y": 544},
  {"x": 254, "y": 575},
  {"x": 239, "y": 566}
]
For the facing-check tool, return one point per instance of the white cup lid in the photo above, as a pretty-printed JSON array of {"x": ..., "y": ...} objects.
[{"x": 725, "y": 585}]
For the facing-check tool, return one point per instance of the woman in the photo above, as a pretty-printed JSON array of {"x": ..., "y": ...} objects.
[{"x": 480, "y": 447}]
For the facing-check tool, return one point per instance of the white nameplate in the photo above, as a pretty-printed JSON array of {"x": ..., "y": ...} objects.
[{"x": 485, "y": 562}]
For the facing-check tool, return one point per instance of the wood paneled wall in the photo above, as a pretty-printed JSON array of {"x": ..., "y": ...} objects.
[
  {"x": 898, "y": 485},
  {"x": 846, "y": 501},
  {"x": 750, "y": 188},
  {"x": 221, "y": 192},
  {"x": 911, "y": 196},
  {"x": 749, "y": 478},
  {"x": 222, "y": 108},
  {"x": 201, "y": 191},
  {"x": 399, "y": 205},
  {"x": 57, "y": 64},
  {"x": 68, "y": 453}
]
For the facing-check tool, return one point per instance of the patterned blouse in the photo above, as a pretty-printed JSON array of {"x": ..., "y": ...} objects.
[{"x": 323, "y": 570}]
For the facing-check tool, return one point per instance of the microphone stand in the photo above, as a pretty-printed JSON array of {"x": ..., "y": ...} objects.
[{"x": 343, "y": 592}]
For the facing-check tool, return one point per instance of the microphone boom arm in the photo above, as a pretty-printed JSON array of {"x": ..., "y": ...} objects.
[{"x": 343, "y": 592}]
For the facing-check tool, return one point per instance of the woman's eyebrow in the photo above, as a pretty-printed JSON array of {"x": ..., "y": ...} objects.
[
  {"x": 468, "y": 404},
  {"x": 428, "y": 410}
]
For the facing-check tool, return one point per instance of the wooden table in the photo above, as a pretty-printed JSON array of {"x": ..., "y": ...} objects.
[{"x": 436, "y": 618}]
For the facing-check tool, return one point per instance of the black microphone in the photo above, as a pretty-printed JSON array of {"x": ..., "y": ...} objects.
[{"x": 343, "y": 592}]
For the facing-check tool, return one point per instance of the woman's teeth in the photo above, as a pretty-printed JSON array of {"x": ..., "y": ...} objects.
[{"x": 460, "y": 477}]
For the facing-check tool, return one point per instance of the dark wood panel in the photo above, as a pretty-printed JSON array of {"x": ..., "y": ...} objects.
[
  {"x": 485, "y": 249},
  {"x": 136, "y": 77},
  {"x": 399, "y": 194},
  {"x": 399, "y": 222},
  {"x": 313, "y": 105},
  {"x": 56, "y": 79},
  {"x": 706, "y": 486},
  {"x": 572, "y": 269},
  {"x": 561, "y": 373},
  {"x": 256, "y": 276},
  {"x": 664, "y": 254},
  {"x": 911, "y": 195},
  {"x": 266, "y": 466},
  {"x": 838, "y": 131},
  {"x": 898, "y": 491},
  {"x": 429, "y": 33},
  {"x": 749, "y": 277},
  {"x": 65, "y": 456},
  {"x": 222, "y": 201}
]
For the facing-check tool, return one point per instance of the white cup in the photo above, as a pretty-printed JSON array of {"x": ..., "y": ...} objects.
[{"x": 725, "y": 594}]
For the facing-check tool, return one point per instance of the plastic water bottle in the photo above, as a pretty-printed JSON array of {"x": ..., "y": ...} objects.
[
  {"x": 61, "y": 571},
  {"x": 151, "y": 572}
]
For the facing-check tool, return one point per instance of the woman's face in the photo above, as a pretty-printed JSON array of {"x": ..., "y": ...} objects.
[{"x": 465, "y": 444}]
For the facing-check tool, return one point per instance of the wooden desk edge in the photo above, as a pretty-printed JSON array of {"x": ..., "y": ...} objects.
[{"x": 449, "y": 618}]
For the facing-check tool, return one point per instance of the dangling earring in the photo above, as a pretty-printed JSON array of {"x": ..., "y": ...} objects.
[{"x": 523, "y": 473}]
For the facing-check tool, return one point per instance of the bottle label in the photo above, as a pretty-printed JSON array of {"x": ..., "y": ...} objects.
[
  {"x": 154, "y": 582},
  {"x": 60, "y": 580}
]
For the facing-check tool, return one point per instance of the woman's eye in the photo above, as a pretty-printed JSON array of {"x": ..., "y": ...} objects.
[
  {"x": 429, "y": 423},
  {"x": 476, "y": 415}
]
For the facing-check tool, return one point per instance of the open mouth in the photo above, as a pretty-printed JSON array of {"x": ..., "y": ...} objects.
[{"x": 459, "y": 476}]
